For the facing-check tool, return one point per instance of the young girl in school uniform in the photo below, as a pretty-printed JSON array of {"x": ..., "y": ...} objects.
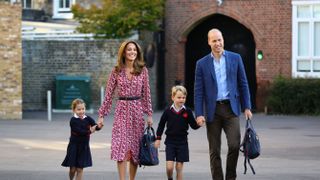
[{"x": 78, "y": 152}]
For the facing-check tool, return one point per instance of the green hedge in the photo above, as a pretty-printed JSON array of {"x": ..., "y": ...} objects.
[{"x": 294, "y": 96}]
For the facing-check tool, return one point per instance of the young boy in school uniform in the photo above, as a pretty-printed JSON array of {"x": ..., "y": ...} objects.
[{"x": 177, "y": 119}]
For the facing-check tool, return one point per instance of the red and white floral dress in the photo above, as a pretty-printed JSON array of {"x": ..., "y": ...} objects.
[{"x": 128, "y": 125}]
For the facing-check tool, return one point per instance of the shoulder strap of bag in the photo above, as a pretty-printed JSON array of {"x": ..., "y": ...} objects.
[
  {"x": 151, "y": 130},
  {"x": 150, "y": 133}
]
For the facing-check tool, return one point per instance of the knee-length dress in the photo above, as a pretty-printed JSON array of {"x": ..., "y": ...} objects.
[
  {"x": 128, "y": 125},
  {"x": 78, "y": 151}
]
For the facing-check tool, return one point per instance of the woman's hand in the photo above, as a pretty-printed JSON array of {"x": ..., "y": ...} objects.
[
  {"x": 100, "y": 125},
  {"x": 149, "y": 121},
  {"x": 157, "y": 143},
  {"x": 100, "y": 122}
]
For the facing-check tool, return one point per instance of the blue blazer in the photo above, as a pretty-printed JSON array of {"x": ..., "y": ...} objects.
[{"x": 205, "y": 88}]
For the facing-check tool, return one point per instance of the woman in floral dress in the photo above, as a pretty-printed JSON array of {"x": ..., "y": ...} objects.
[{"x": 129, "y": 80}]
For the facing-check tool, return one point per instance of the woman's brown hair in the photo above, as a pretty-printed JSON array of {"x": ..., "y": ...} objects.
[{"x": 138, "y": 63}]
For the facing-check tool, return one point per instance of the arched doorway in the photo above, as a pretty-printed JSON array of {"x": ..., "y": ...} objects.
[{"x": 237, "y": 38}]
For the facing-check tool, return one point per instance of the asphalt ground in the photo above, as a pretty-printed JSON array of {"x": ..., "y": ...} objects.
[{"x": 33, "y": 149}]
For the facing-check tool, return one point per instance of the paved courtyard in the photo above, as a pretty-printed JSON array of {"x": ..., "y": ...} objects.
[{"x": 33, "y": 149}]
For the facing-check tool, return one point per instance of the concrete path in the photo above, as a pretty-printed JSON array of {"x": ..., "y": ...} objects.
[{"x": 33, "y": 149}]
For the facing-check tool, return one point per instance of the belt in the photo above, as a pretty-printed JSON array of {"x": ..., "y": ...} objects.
[
  {"x": 224, "y": 101},
  {"x": 129, "y": 98}
]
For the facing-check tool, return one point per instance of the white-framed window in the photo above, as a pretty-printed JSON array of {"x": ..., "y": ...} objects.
[
  {"x": 64, "y": 5},
  {"x": 62, "y": 9},
  {"x": 26, "y": 4},
  {"x": 305, "y": 38}
]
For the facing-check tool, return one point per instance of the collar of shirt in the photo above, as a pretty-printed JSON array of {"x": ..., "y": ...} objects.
[
  {"x": 223, "y": 54},
  {"x": 177, "y": 110},
  {"x": 76, "y": 116}
]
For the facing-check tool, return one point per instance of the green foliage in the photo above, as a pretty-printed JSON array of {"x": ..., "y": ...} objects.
[
  {"x": 118, "y": 18},
  {"x": 295, "y": 96}
]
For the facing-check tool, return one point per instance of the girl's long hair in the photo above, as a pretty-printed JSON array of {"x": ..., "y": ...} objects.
[{"x": 138, "y": 63}]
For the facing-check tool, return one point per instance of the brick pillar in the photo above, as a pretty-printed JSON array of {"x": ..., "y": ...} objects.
[{"x": 11, "y": 61}]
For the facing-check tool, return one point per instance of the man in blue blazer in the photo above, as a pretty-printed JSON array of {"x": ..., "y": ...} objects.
[{"x": 220, "y": 93}]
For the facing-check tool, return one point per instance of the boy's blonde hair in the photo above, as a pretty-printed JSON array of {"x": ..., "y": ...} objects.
[
  {"x": 177, "y": 88},
  {"x": 76, "y": 102}
]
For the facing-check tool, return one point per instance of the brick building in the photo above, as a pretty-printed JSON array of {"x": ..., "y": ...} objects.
[
  {"x": 43, "y": 10},
  {"x": 286, "y": 32},
  {"x": 10, "y": 58}
]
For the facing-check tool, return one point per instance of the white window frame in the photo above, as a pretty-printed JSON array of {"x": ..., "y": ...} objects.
[
  {"x": 14, "y": 1},
  {"x": 295, "y": 22},
  {"x": 23, "y": 2},
  {"x": 62, "y": 13}
]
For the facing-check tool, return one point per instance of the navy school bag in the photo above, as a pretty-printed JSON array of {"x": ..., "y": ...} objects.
[
  {"x": 148, "y": 154},
  {"x": 250, "y": 145}
]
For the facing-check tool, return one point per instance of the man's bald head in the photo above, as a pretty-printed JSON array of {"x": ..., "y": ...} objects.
[
  {"x": 214, "y": 31},
  {"x": 215, "y": 41}
]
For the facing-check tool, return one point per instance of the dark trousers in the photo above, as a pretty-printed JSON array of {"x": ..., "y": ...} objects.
[{"x": 225, "y": 120}]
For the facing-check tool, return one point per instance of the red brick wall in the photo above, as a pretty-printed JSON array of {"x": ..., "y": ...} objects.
[{"x": 269, "y": 22}]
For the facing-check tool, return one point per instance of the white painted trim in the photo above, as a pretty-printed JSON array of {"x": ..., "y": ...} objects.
[
  {"x": 61, "y": 35},
  {"x": 294, "y": 42},
  {"x": 24, "y": 2},
  {"x": 310, "y": 56},
  {"x": 62, "y": 13},
  {"x": 305, "y": 2},
  {"x": 13, "y": 1}
]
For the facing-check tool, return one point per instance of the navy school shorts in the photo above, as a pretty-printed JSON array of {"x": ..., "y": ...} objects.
[{"x": 177, "y": 152}]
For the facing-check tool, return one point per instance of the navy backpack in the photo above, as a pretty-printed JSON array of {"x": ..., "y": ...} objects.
[{"x": 250, "y": 145}]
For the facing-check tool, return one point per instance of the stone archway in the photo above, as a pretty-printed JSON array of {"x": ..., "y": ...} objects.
[{"x": 237, "y": 38}]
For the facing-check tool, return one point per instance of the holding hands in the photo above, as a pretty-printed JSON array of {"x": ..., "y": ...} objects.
[
  {"x": 200, "y": 120},
  {"x": 100, "y": 122},
  {"x": 93, "y": 128},
  {"x": 157, "y": 143}
]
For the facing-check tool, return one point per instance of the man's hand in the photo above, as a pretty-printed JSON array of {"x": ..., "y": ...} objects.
[
  {"x": 200, "y": 120},
  {"x": 247, "y": 114}
]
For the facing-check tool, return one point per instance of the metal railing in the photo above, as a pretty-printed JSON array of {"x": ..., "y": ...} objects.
[{"x": 56, "y": 35}]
